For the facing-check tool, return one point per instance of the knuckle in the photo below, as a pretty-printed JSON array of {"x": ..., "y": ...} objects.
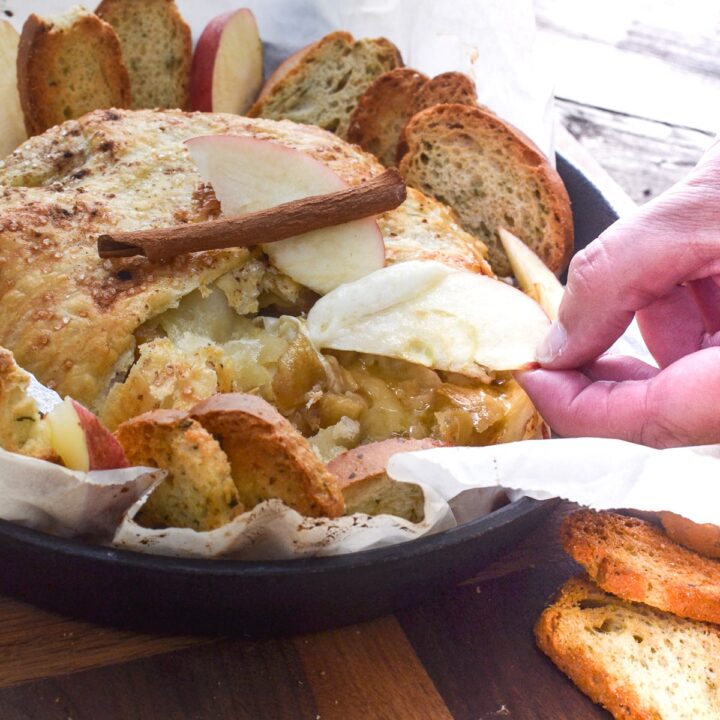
[
  {"x": 661, "y": 432},
  {"x": 588, "y": 413},
  {"x": 589, "y": 269}
]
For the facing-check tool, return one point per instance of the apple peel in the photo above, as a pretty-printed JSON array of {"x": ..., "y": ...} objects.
[
  {"x": 427, "y": 313},
  {"x": 227, "y": 66},
  {"x": 81, "y": 440},
  {"x": 248, "y": 175}
]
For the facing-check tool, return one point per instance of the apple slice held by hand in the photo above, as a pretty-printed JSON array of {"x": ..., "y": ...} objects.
[
  {"x": 433, "y": 315},
  {"x": 248, "y": 175},
  {"x": 533, "y": 276},
  {"x": 227, "y": 66},
  {"x": 80, "y": 439}
]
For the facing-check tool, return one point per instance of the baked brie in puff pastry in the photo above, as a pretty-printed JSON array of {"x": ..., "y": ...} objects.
[{"x": 126, "y": 336}]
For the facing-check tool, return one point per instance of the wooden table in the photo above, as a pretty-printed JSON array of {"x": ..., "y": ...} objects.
[
  {"x": 639, "y": 100},
  {"x": 468, "y": 654}
]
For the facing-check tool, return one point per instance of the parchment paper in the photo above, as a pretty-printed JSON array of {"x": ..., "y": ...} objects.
[
  {"x": 493, "y": 41},
  {"x": 40, "y": 495},
  {"x": 600, "y": 473},
  {"x": 273, "y": 531}
]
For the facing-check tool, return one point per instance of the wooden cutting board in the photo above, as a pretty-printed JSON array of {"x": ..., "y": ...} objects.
[{"x": 468, "y": 654}]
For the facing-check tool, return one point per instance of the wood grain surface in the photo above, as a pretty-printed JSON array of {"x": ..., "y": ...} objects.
[
  {"x": 638, "y": 86},
  {"x": 637, "y": 83},
  {"x": 468, "y": 654}
]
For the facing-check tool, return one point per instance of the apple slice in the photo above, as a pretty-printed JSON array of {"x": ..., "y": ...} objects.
[
  {"x": 81, "y": 441},
  {"x": 227, "y": 67},
  {"x": 533, "y": 276},
  {"x": 249, "y": 174},
  {"x": 433, "y": 315},
  {"x": 12, "y": 124}
]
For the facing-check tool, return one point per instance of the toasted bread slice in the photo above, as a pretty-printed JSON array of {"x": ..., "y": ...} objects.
[
  {"x": 320, "y": 85},
  {"x": 366, "y": 486},
  {"x": 702, "y": 538},
  {"x": 268, "y": 456},
  {"x": 383, "y": 111},
  {"x": 157, "y": 50},
  {"x": 67, "y": 66},
  {"x": 444, "y": 89},
  {"x": 639, "y": 663},
  {"x": 199, "y": 491},
  {"x": 12, "y": 122},
  {"x": 280, "y": 72},
  {"x": 493, "y": 177},
  {"x": 436, "y": 235},
  {"x": 636, "y": 561}
]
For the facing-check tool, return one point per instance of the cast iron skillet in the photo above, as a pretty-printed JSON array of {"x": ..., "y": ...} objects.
[{"x": 163, "y": 594}]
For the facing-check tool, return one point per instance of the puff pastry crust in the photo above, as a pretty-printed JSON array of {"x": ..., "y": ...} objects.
[{"x": 68, "y": 316}]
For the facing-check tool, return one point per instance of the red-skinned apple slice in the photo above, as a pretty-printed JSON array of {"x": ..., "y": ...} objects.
[
  {"x": 433, "y": 315},
  {"x": 248, "y": 175},
  {"x": 227, "y": 67},
  {"x": 80, "y": 439},
  {"x": 532, "y": 275}
]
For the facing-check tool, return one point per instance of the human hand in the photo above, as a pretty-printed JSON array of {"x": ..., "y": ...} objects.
[{"x": 662, "y": 265}]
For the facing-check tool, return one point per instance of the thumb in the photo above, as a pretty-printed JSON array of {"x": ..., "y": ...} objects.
[{"x": 638, "y": 260}]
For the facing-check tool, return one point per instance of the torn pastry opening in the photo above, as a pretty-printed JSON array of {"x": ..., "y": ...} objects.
[{"x": 245, "y": 333}]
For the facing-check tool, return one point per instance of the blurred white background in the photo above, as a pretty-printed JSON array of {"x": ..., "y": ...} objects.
[{"x": 637, "y": 83}]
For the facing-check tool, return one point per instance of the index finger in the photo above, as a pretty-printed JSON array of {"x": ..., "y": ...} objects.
[{"x": 639, "y": 259}]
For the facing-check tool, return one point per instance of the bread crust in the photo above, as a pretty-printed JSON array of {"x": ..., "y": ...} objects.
[
  {"x": 369, "y": 461},
  {"x": 636, "y": 561},
  {"x": 366, "y": 486},
  {"x": 289, "y": 67},
  {"x": 199, "y": 491},
  {"x": 383, "y": 111},
  {"x": 702, "y": 538},
  {"x": 41, "y": 43},
  {"x": 444, "y": 89},
  {"x": 303, "y": 63},
  {"x": 591, "y": 677},
  {"x": 268, "y": 456},
  {"x": 469, "y": 127}
]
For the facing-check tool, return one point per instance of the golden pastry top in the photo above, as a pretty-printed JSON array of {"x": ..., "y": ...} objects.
[{"x": 68, "y": 316}]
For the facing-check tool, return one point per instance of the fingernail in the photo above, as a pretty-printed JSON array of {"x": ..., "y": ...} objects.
[{"x": 552, "y": 345}]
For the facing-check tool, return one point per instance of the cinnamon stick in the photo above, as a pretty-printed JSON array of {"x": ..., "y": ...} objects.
[{"x": 377, "y": 195}]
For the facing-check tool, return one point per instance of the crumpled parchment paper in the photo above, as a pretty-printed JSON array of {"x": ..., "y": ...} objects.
[
  {"x": 40, "y": 495},
  {"x": 273, "y": 531},
  {"x": 493, "y": 41},
  {"x": 600, "y": 473}
]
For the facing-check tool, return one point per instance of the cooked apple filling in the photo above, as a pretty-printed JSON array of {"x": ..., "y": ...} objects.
[
  {"x": 337, "y": 399},
  {"x": 396, "y": 398}
]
